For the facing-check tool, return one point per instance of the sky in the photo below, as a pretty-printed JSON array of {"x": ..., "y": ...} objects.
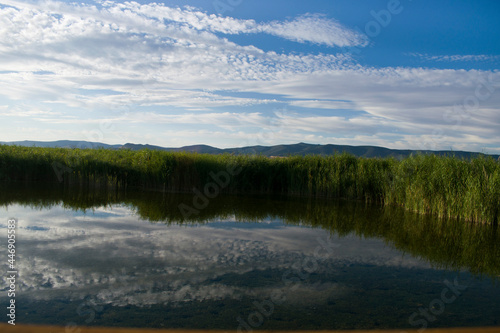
[{"x": 407, "y": 74}]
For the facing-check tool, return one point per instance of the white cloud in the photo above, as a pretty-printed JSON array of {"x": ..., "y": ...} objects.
[
  {"x": 139, "y": 50},
  {"x": 322, "y": 104},
  {"x": 410, "y": 98},
  {"x": 27, "y": 111},
  {"x": 127, "y": 56},
  {"x": 316, "y": 29},
  {"x": 456, "y": 57}
]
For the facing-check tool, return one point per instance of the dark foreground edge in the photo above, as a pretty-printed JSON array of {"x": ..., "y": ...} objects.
[{"x": 6, "y": 328}]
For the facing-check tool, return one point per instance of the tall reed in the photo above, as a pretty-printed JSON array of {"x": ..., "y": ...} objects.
[{"x": 429, "y": 184}]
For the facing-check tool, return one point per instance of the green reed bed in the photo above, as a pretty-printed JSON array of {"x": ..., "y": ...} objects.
[
  {"x": 447, "y": 187},
  {"x": 443, "y": 186}
]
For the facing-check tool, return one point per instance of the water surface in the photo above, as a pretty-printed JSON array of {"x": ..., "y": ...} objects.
[{"x": 133, "y": 259}]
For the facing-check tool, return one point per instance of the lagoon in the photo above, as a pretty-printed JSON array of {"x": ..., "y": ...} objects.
[{"x": 131, "y": 259}]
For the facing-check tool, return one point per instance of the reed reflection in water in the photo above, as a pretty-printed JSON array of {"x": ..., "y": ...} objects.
[{"x": 131, "y": 259}]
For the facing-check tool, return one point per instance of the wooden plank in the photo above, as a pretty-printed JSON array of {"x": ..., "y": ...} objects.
[{"x": 6, "y": 328}]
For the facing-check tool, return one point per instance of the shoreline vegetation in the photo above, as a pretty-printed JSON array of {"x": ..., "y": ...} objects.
[{"x": 443, "y": 186}]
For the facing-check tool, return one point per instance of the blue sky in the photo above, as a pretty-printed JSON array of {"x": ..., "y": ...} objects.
[{"x": 230, "y": 73}]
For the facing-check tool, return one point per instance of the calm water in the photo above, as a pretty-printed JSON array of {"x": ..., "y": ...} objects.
[{"x": 132, "y": 259}]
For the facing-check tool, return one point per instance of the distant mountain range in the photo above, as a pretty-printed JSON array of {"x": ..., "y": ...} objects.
[{"x": 278, "y": 150}]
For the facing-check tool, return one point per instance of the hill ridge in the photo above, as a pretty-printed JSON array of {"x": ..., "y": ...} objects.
[{"x": 300, "y": 148}]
